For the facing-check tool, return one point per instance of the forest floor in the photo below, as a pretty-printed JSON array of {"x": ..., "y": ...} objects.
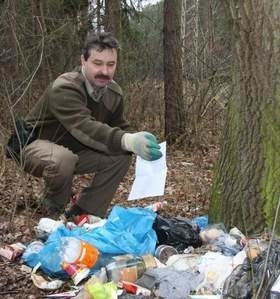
[{"x": 187, "y": 193}]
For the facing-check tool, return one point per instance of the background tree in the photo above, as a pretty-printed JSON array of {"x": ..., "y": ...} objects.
[
  {"x": 113, "y": 17},
  {"x": 173, "y": 76},
  {"x": 113, "y": 23},
  {"x": 41, "y": 45},
  {"x": 246, "y": 191},
  {"x": 206, "y": 60}
]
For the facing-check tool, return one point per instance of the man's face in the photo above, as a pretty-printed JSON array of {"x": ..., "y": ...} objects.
[{"x": 100, "y": 66}]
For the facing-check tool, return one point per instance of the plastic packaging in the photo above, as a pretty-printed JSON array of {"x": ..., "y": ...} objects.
[
  {"x": 236, "y": 233},
  {"x": 184, "y": 262},
  {"x": 139, "y": 239},
  {"x": 41, "y": 283},
  {"x": 221, "y": 241},
  {"x": 46, "y": 226},
  {"x": 211, "y": 233},
  {"x": 75, "y": 251},
  {"x": 275, "y": 290},
  {"x": 77, "y": 273},
  {"x": 103, "y": 291},
  {"x": 264, "y": 268},
  {"x": 156, "y": 205},
  {"x": 177, "y": 232},
  {"x": 255, "y": 247},
  {"x": 99, "y": 290},
  {"x": 67, "y": 294},
  {"x": 201, "y": 221},
  {"x": 80, "y": 220},
  {"x": 132, "y": 288},
  {"x": 99, "y": 277},
  {"x": 32, "y": 251},
  {"x": 129, "y": 268}
]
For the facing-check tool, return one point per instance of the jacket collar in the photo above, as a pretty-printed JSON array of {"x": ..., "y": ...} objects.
[{"x": 96, "y": 95}]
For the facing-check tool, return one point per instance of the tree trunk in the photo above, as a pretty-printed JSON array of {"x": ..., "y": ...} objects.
[
  {"x": 113, "y": 24},
  {"x": 246, "y": 189},
  {"x": 14, "y": 39},
  {"x": 98, "y": 15},
  {"x": 173, "y": 75},
  {"x": 113, "y": 17}
]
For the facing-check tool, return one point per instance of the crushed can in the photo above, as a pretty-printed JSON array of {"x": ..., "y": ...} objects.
[
  {"x": 13, "y": 251},
  {"x": 163, "y": 252}
]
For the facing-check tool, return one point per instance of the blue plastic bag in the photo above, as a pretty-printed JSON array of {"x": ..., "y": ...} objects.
[
  {"x": 201, "y": 221},
  {"x": 127, "y": 230}
]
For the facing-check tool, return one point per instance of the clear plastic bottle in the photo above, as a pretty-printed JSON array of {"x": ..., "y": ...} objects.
[
  {"x": 130, "y": 268},
  {"x": 75, "y": 251}
]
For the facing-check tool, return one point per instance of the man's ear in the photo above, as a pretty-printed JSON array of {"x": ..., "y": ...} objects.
[{"x": 82, "y": 59}]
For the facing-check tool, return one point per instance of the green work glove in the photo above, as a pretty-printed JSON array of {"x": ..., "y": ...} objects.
[{"x": 143, "y": 144}]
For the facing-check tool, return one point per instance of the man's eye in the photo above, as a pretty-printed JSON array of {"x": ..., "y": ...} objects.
[{"x": 97, "y": 63}]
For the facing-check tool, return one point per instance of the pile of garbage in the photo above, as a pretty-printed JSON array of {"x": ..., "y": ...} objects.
[{"x": 138, "y": 253}]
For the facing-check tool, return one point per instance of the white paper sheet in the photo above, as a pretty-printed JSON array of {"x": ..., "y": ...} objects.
[{"x": 150, "y": 177}]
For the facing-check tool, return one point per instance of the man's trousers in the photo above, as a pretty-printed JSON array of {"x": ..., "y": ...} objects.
[{"x": 57, "y": 165}]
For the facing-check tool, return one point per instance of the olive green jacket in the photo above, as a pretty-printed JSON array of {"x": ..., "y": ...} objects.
[{"x": 67, "y": 115}]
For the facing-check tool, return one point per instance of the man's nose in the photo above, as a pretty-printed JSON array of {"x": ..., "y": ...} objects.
[{"x": 105, "y": 70}]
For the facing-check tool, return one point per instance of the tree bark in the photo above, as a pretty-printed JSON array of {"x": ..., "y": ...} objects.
[
  {"x": 113, "y": 24},
  {"x": 13, "y": 26},
  {"x": 173, "y": 74},
  {"x": 98, "y": 15},
  {"x": 113, "y": 17},
  {"x": 246, "y": 188}
]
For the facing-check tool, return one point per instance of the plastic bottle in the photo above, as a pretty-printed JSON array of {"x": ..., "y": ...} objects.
[
  {"x": 129, "y": 268},
  {"x": 75, "y": 251}
]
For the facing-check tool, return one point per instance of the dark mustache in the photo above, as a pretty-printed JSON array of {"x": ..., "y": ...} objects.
[{"x": 104, "y": 77}]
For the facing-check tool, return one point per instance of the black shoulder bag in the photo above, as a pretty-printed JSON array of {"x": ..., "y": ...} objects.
[{"x": 20, "y": 137}]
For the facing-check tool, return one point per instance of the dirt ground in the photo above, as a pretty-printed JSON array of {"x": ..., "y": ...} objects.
[{"x": 187, "y": 194}]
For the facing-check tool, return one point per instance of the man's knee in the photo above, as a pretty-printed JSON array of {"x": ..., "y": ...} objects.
[
  {"x": 43, "y": 157},
  {"x": 64, "y": 162}
]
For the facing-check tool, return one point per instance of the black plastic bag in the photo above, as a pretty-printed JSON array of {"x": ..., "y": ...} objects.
[
  {"x": 20, "y": 137},
  {"x": 177, "y": 232},
  {"x": 261, "y": 273}
]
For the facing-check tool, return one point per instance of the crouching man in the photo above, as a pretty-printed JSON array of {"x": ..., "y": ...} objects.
[{"x": 81, "y": 129}]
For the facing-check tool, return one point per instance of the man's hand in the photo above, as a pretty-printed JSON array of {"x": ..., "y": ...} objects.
[{"x": 143, "y": 144}]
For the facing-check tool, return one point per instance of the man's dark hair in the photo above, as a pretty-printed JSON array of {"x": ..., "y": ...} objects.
[{"x": 99, "y": 41}]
